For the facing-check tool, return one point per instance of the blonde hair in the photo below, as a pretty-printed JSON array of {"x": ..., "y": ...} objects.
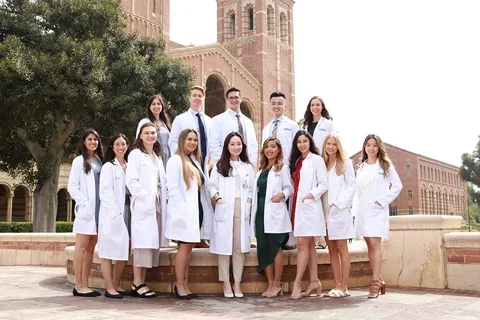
[
  {"x": 341, "y": 155},
  {"x": 188, "y": 169},
  {"x": 278, "y": 161}
]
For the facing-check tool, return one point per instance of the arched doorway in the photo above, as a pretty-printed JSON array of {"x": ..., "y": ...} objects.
[
  {"x": 4, "y": 194},
  {"x": 62, "y": 205},
  {"x": 19, "y": 206},
  {"x": 247, "y": 108},
  {"x": 214, "y": 96}
]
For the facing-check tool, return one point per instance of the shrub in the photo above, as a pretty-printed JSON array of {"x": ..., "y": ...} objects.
[
  {"x": 26, "y": 227},
  {"x": 63, "y": 226}
]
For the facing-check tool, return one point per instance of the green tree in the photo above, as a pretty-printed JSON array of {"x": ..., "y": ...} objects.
[
  {"x": 67, "y": 65},
  {"x": 470, "y": 172}
]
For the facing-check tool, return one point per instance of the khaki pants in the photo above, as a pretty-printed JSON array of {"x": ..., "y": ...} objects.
[{"x": 238, "y": 258}]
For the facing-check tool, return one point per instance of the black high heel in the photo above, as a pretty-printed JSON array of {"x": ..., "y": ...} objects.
[{"x": 185, "y": 297}]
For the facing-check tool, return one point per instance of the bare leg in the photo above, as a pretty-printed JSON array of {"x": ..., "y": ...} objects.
[
  {"x": 106, "y": 266},
  {"x": 81, "y": 244},
  {"x": 276, "y": 276},
  {"x": 342, "y": 248},
  {"x": 182, "y": 264},
  {"x": 117, "y": 274},
  {"x": 269, "y": 275},
  {"x": 334, "y": 262},
  {"x": 312, "y": 260},
  {"x": 375, "y": 255},
  {"x": 88, "y": 259},
  {"x": 302, "y": 261}
]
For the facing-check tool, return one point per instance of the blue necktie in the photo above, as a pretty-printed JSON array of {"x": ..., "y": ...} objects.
[{"x": 203, "y": 138}]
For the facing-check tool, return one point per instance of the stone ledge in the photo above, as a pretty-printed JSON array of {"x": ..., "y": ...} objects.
[
  {"x": 425, "y": 222},
  {"x": 203, "y": 273},
  {"x": 462, "y": 240}
]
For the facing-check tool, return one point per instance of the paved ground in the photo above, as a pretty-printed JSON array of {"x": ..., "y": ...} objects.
[{"x": 43, "y": 293}]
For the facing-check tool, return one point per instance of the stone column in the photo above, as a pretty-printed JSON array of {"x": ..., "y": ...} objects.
[
  {"x": 69, "y": 208},
  {"x": 10, "y": 206}
]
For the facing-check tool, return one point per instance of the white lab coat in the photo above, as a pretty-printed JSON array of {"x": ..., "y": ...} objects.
[
  {"x": 276, "y": 215},
  {"x": 324, "y": 127},
  {"x": 143, "y": 185},
  {"x": 222, "y": 231},
  {"x": 341, "y": 189},
  {"x": 309, "y": 217},
  {"x": 374, "y": 220},
  {"x": 286, "y": 131},
  {"x": 222, "y": 125},
  {"x": 187, "y": 120},
  {"x": 113, "y": 239},
  {"x": 182, "y": 210},
  {"x": 82, "y": 188}
]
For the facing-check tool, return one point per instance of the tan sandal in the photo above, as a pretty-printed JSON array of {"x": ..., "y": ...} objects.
[
  {"x": 299, "y": 285},
  {"x": 375, "y": 285},
  {"x": 314, "y": 285},
  {"x": 278, "y": 292}
]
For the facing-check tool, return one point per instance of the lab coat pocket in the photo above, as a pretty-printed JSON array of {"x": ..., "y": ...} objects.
[
  {"x": 82, "y": 212},
  {"x": 114, "y": 227},
  {"x": 142, "y": 208},
  {"x": 278, "y": 210},
  {"x": 220, "y": 212},
  {"x": 178, "y": 213},
  {"x": 377, "y": 211},
  {"x": 309, "y": 210}
]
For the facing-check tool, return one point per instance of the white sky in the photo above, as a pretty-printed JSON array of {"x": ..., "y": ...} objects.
[{"x": 406, "y": 70}]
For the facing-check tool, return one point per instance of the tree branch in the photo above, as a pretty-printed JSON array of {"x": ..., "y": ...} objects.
[
  {"x": 64, "y": 130},
  {"x": 33, "y": 146}
]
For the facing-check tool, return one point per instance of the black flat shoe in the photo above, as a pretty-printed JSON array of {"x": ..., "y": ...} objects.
[
  {"x": 125, "y": 293},
  {"x": 113, "y": 296},
  {"x": 185, "y": 297},
  {"x": 88, "y": 294}
]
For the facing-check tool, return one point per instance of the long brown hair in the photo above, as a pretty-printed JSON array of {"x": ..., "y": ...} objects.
[
  {"x": 308, "y": 116},
  {"x": 188, "y": 170},
  {"x": 341, "y": 156},
  {"x": 296, "y": 154},
  {"x": 223, "y": 164},
  {"x": 279, "y": 162},
  {"x": 163, "y": 114},
  {"x": 382, "y": 156},
  {"x": 138, "y": 144},
  {"x": 82, "y": 150}
]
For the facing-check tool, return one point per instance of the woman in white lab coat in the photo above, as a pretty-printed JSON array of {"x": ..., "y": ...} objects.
[
  {"x": 270, "y": 217},
  {"x": 189, "y": 214},
  {"x": 318, "y": 123},
  {"x": 145, "y": 178},
  {"x": 341, "y": 189},
  {"x": 83, "y": 186},
  {"x": 113, "y": 238},
  {"x": 378, "y": 185},
  {"x": 157, "y": 114},
  {"x": 231, "y": 185},
  {"x": 309, "y": 175}
]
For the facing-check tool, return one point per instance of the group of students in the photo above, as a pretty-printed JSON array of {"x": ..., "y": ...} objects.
[{"x": 170, "y": 191}]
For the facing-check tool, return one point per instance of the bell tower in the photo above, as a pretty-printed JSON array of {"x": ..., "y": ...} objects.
[{"x": 259, "y": 33}]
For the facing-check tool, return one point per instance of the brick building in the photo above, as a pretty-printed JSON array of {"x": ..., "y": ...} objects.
[
  {"x": 429, "y": 186},
  {"x": 254, "y": 52}
]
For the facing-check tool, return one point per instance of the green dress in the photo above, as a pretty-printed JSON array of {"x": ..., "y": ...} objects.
[{"x": 268, "y": 244}]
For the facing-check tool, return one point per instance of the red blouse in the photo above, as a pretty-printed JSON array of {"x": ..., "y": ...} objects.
[{"x": 296, "y": 182}]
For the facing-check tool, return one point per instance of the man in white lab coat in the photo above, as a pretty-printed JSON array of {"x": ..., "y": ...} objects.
[
  {"x": 233, "y": 120},
  {"x": 281, "y": 127},
  {"x": 196, "y": 119}
]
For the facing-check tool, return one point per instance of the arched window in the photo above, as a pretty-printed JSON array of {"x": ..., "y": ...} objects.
[
  {"x": 410, "y": 194},
  {"x": 409, "y": 171},
  {"x": 410, "y": 210},
  {"x": 154, "y": 6},
  {"x": 283, "y": 28},
  {"x": 251, "y": 24},
  {"x": 232, "y": 24},
  {"x": 270, "y": 21}
]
